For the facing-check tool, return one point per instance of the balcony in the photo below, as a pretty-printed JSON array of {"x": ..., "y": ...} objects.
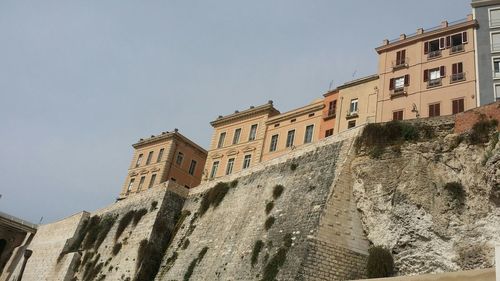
[
  {"x": 402, "y": 91},
  {"x": 457, "y": 49},
  {"x": 399, "y": 64},
  {"x": 330, "y": 115},
  {"x": 434, "y": 83},
  {"x": 434, "y": 54},
  {"x": 457, "y": 77},
  {"x": 351, "y": 115}
]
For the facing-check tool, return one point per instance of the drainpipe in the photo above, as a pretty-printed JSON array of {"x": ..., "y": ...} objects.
[{"x": 27, "y": 255}]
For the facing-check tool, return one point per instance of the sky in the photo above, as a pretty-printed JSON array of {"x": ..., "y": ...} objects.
[{"x": 80, "y": 81}]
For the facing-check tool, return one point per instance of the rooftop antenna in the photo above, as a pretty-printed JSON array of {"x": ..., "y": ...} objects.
[
  {"x": 330, "y": 87},
  {"x": 354, "y": 73},
  {"x": 41, "y": 219}
]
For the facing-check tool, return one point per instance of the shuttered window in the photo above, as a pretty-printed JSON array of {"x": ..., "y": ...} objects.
[
  {"x": 495, "y": 42},
  {"x": 397, "y": 115},
  {"x": 434, "y": 110},
  {"x": 495, "y": 17},
  {"x": 457, "y": 106}
]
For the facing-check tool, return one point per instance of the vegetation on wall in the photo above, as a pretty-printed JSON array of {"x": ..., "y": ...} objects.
[
  {"x": 193, "y": 264},
  {"x": 269, "y": 207},
  {"x": 277, "y": 191},
  {"x": 480, "y": 132},
  {"x": 456, "y": 190},
  {"x": 257, "y": 247},
  {"x": 213, "y": 197},
  {"x": 269, "y": 222},
  {"x": 116, "y": 248},
  {"x": 380, "y": 263},
  {"x": 377, "y": 136},
  {"x": 124, "y": 222},
  {"x": 272, "y": 268},
  {"x": 138, "y": 215}
]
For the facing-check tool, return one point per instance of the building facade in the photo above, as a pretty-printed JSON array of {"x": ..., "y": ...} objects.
[
  {"x": 330, "y": 103},
  {"x": 168, "y": 156},
  {"x": 487, "y": 38},
  {"x": 429, "y": 73},
  {"x": 237, "y": 140},
  {"x": 288, "y": 130}
]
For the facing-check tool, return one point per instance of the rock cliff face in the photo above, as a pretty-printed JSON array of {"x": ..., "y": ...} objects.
[{"x": 434, "y": 203}]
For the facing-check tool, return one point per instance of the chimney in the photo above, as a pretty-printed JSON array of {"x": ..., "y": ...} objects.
[
  {"x": 385, "y": 42},
  {"x": 420, "y": 31},
  {"x": 470, "y": 17},
  {"x": 402, "y": 36},
  {"x": 444, "y": 23}
]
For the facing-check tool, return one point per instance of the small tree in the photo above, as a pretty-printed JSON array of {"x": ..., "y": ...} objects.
[{"x": 380, "y": 263}]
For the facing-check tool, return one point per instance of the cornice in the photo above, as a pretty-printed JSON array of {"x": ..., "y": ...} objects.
[
  {"x": 482, "y": 3},
  {"x": 166, "y": 136},
  {"x": 266, "y": 108},
  {"x": 426, "y": 35},
  {"x": 297, "y": 112}
]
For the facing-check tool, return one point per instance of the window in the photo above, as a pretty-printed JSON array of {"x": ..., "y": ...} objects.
[
  {"x": 351, "y": 124},
  {"x": 328, "y": 133},
  {"x": 246, "y": 161},
  {"x": 456, "y": 42},
  {"x": 433, "y": 48},
  {"x": 215, "y": 167},
  {"x": 141, "y": 182},
  {"x": 180, "y": 157},
  {"x": 433, "y": 76},
  {"x": 494, "y": 17},
  {"x": 400, "y": 58},
  {"x": 130, "y": 184},
  {"x": 139, "y": 159},
  {"x": 229, "y": 168},
  {"x": 309, "y": 134},
  {"x": 276, "y": 125},
  {"x": 192, "y": 167},
  {"x": 274, "y": 143},
  {"x": 495, "y": 42},
  {"x": 457, "y": 106},
  {"x": 397, "y": 115},
  {"x": 497, "y": 91},
  {"x": 354, "y": 106},
  {"x": 160, "y": 155},
  {"x": 434, "y": 110},
  {"x": 398, "y": 84},
  {"x": 150, "y": 156},
  {"x": 311, "y": 114},
  {"x": 253, "y": 132},
  {"x": 293, "y": 120},
  {"x": 332, "y": 108},
  {"x": 152, "y": 181},
  {"x": 289, "y": 138},
  {"x": 496, "y": 67},
  {"x": 222, "y": 137},
  {"x": 457, "y": 72},
  {"x": 236, "y": 137}
]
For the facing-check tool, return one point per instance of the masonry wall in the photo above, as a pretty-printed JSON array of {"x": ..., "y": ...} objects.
[{"x": 465, "y": 120}]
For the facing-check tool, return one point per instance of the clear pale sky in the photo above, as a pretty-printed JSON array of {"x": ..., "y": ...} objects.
[{"x": 80, "y": 81}]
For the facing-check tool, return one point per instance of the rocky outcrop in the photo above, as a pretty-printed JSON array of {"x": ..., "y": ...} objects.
[{"x": 434, "y": 203}]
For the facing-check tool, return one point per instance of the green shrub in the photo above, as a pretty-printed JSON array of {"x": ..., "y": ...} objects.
[
  {"x": 138, "y": 215},
  {"x": 124, "y": 222},
  {"x": 193, "y": 264},
  {"x": 257, "y": 247},
  {"x": 272, "y": 268},
  {"x": 213, "y": 197},
  {"x": 456, "y": 190},
  {"x": 185, "y": 244},
  {"x": 116, "y": 248},
  {"x": 142, "y": 252},
  {"x": 277, "y": 191},
  {"x": 376, "y": 152},
  {"x": 269, "y": 207},
  {"x": 153, "y": 205},
  {"x": 234, "y": 184},
  {"x": 293, "y": 166},
  {"x": 481, "y": 130},
  {"x": 269, "y": 222},
  {"x": 380, "y": 263}
]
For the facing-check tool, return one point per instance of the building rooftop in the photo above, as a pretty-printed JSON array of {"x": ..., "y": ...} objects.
[
  {"x": 167, "y": 135},
  {"x": 480, "y": 3},
  {"x": 422, "y": 33},
  {"x": 268, "y": 107},
  {"x": 17, "y": 223},
  {"x": 313, "y": 106}
]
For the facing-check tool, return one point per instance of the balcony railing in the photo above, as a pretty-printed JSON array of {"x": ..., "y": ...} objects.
[
  {"x": 434, "y": 83},
  {"x": 398, "y": 64},
  {"x": 434, "y": 54},
  {"x": 457, "y": 49},
  {"x": 351, "y": 114},
  {"x": 330, "y": 115},
  {"x": 402, "y": 91},
  {"x": 457, "y": 77}
]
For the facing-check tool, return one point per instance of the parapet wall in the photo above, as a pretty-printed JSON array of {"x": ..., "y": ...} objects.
[{"x": 465, "y": 120}]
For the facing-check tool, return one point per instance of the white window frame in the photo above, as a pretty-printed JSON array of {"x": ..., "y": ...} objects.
[
  {"x": 215, "y": 168},
  {"x": 402, "y": 82},
  {"x": 247, "y": 161},
  {"x": 130, "y": 184},
  {"x": 273, "y": 146},
  {"x": 491, "y": 41},
  {"x": 230, "y": 166},
  {"x": 290, "y": 140},
  {"x": 497, "y": 95},
  {"x": 356, "y": 101},
  {"x": 489, "y": 17},
  {"x": 221, "y": 140},
  {"x": 493, "y": 67},
  {"x": 312, "y": 134},
  {"x": 252, "y": 135}
]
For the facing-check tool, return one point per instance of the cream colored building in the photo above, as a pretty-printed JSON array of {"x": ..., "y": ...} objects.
[
  {"x": 168, "y": 156},
  {"x": 237, "y": 140},
  {"x": 291, "y": 129},
  {"x": 429, "y": 73},
  {"x": 357, "y": 103}
]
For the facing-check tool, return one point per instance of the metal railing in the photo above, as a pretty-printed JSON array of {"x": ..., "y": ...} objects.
[
  {"x": 434, "y": 83},
  {"x": 457, "y": 49},
  {"x": 434, "y": 54},
  {"x": 401, "y": 63},
  {"x": 399, "y": 91},
  {"x": 457, "y": 77}
]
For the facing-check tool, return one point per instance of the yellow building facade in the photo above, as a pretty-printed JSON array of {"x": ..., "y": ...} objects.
[
  {"x": 430, "y": 73},
  {"x": 168, "y": 156}
]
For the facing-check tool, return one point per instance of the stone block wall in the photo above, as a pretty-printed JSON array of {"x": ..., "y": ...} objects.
[{"x": 465, "y": 120}]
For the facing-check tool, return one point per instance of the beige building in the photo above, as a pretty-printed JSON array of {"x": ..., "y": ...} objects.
[
  {"x": 237, "y": 140},
  {"x": 429, "y": 73},
  {"x": 291, "y": 129},
  {"x": 357, "y": 103},
  {"x": 168, "y": 156}
]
